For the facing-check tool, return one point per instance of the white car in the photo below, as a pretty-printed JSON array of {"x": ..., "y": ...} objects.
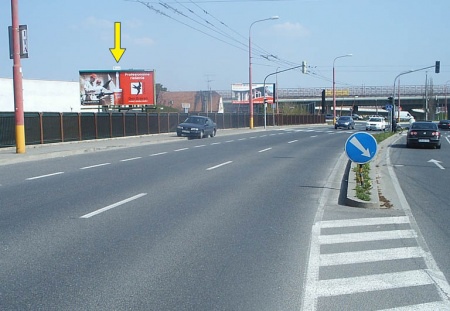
[{"x": 376, "y": 124}]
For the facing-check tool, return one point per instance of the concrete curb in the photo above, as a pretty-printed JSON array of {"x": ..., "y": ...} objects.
[{"x": 351, "y": 199}]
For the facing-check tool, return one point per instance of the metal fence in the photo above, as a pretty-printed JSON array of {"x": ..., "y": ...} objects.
[{"x": 48, "y": 127}]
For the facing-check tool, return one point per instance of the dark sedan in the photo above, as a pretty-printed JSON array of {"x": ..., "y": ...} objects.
[
  {"x": 345, "y": 122},
  {"x": 444, "y": 124},
  {"x": 423, "y": 134},
  {"x": 197, "y": 126}
]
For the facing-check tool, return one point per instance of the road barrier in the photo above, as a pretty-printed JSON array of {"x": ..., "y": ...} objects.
[{"x": 51, "y": 127}]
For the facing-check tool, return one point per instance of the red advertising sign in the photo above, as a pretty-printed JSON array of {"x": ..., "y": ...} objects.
[
  {"x": 117, "y": 87},
  {"x": 138, "y": 87}
]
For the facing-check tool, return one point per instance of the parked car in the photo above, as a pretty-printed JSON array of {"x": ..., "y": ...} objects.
[
  {"x": 356, "y": 117},
  {"x": 345, "y": 122},
  {"x": 423, "y": 133},
  {"x": 444, "y": 124},
  {"x": 197, "y": 126},
  {"x": 376, "y": 124}
]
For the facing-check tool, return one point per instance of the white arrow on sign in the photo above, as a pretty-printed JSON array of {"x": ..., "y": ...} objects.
[
  {"x": 357, "y": 144},
  {"x": 437, "y": 163}
]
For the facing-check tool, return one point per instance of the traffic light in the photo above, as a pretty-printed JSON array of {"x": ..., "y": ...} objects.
[{"x": 437, "y": 67}]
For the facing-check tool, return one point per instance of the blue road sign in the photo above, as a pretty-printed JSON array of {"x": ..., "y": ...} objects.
[
  {"x": 389, "y": 107},
  {"x": 361, "y": 147}
]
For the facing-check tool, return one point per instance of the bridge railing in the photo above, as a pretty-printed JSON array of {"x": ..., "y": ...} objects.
[{"x": 378, "y": 91}]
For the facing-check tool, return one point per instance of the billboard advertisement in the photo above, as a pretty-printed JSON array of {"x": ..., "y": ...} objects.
[
  {"x": 240, "y": 93},
  {"x": 117, "y": 87}
]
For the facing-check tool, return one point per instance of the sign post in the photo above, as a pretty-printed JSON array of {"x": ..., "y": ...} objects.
[{"x": 361, "y": 148}]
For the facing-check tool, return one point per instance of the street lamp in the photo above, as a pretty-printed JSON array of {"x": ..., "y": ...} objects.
[
  {"x": 334, "y": 87},
  {"x": 264, "y": 94},
  {"x": 250, "y": 91},
  {"x": 446, "y": 107},
  {"x": 393, "y": 98}
]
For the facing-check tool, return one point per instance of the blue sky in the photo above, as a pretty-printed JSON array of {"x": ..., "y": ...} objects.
[{"x": 386, "y": 37}]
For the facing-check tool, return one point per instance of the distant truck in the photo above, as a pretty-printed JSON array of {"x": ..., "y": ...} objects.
[{"x": 404, "y": 116}]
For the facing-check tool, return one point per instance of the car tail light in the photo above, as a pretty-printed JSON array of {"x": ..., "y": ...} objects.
[
  {"x": 435, "y": 134},
  {"x": 413, "y": 133}
]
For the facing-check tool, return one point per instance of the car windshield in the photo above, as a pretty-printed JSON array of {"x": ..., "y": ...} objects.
[
  {"x": 423, "y": 126},
  {"x": 195, "y": 120},
  {"x": 375, "y": 120}
]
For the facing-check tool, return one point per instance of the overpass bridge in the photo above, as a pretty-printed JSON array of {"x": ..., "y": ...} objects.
[{"x": 413, "y": 98}]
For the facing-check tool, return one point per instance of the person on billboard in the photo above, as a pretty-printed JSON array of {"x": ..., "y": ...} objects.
[{"x": 89, "y": 88}]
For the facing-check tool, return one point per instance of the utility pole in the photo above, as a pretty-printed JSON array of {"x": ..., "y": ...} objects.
[
  {"x": 210, "y": 94},
  {"x": 17, "y": 79}
]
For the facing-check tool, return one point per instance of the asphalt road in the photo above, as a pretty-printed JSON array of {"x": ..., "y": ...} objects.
[
  {"x": 237, "y": 222},
  {"x": 212, "y": 224},
  {"x": 425, "y": 180}
]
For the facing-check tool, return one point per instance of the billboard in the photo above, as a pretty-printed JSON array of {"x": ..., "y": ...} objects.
[
  {"x": 240, "y": 93},
  {"x": 117, "y": 87}
]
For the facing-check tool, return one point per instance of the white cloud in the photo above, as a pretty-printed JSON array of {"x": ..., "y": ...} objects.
[
  {"x": 292, "y": 30},
  {"x": 143, "y": 41}
]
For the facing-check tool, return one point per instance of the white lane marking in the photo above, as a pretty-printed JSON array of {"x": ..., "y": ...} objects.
[
  {"x": 217, "y": 166},
  {"x": 356, "y": 222},
  {"x": 438, "y": 306},
  {"x": 252, "y": 137},
  {"x": 229, "y": 141},
  {"x": 432, "y": 267},
  {"x": 130, "y": 159},
  {"x": 313, "y": 136},
  {"x": 370, "y": 256},
  {"x": 437, "y": 163},
  {"x": 264, "y": 150},
  {"x": 215, "y": 143},
  {"x": 367, "y": 236},
  {"x": 309, "y": 302},
  {"x": 43, "y": 176},
  {"x": 263, "y": 135},
  {"x": 94, "y": 166},
  {"x": 272, "y": 134},
  {"x": 242, "y": 138},
  {"x": 352, "y": 285},
  {"x": 182, "y": 149},
  {"x": 104, "y": 209},
  {"x": 157, "y": 154},
  {"x": 292, "y": 141},
  {"x": 448, "y": 140},
  {"x": 199, "y": 146}
]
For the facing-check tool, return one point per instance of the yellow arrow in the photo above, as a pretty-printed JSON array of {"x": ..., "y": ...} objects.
[{"x": 117, "y": 51}]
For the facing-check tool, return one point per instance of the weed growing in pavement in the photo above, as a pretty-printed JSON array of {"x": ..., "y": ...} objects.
[{"x": 363, "y": 181}]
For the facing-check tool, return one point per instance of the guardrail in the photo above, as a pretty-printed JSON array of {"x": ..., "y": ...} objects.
[
  {"x": 48, "y": 127},
  {"x": 405, "y": 90}
]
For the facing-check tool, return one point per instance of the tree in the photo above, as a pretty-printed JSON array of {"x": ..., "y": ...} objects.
[{"x": 158, "y": 89}]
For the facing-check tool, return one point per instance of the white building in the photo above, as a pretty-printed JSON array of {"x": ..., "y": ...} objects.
[{"x": 42, "y": 96}]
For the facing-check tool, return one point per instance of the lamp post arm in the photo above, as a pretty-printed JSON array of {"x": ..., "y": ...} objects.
[{"x": 274, "y": 73}]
